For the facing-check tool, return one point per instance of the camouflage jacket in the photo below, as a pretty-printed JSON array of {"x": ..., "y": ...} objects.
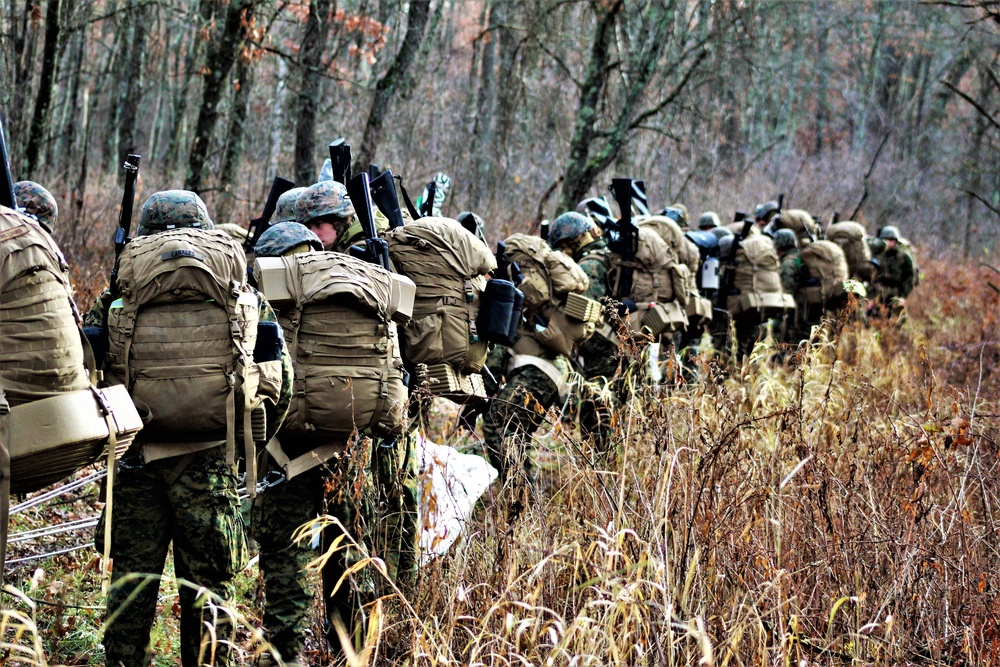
[
  {"x": 593, "y": 259},
  {"x": 896, "y": 270},
  {"x": 791, "y": 271}
]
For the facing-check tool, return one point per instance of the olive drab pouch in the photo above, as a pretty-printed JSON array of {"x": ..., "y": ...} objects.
[
  {"x": 448, "y": 265},
  {"x": 340, "y": 319},
  {"x": 181, "y": 339},
  {"x": 853, "y": 240},
  {"x": 825, "y": 269}
]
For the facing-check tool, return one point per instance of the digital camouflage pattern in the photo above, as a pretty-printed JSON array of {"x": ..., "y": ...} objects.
[
  {"x": 593, "y": 259},
  {"x": 785, "y": 239},
  {"x": 709, "y": 220},
  {"x": 326, "y": 199},
  {"x": 396, "y": 523},
  {"x": 790, "y": 269},
  {"x": 284, "y": 211},
  {"x": 341, "y": 489},
  {"x": 171, "y": 209},
  {"x": 200, "y": 514},
  {"x": 37, "y": 201},
  {"x": 895, "y": 274},
  {"x": 282, "y": 237},
  {"x": 567, "y": 227},
  {"x": 516, "y": 412}
]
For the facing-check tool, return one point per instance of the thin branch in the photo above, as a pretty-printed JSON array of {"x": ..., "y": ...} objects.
[
  {"x": 871, "y": 168},
  {"x": 974, "y": 103},
  {"x": 985, "y": 203}
]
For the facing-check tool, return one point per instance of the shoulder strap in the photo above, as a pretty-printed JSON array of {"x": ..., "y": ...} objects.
[{"x": 4, "y": 480}]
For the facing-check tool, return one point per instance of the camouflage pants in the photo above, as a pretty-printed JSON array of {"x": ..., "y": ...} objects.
[
  {"x": 340, "y": 489},
  {"x": 514, "y": 415},
  {"x": 396, "y": 525},
  {"x": 200, "y": 513}
]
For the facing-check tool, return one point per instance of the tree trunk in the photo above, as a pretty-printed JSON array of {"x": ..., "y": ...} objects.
[
  {"x": 134, "y": 68},
  {"x": 234, "y": 140},
  {"x": 395, "y": 82},
  {"x": 482, "y": 128},
  {"x": 39, "y": 122},
  {"x": 575, "y": 184},
  {"x": 220, "y": 60},
  {"x": 307, "y": 101},
  {"x": 206, "y": 12}
]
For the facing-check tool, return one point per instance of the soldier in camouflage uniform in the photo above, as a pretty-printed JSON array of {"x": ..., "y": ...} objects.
[
  {"x": 894, "y": 277},
  {"x": 341, "y": 488},
  {"x": 189, "y": 500},
  {"x": 790, "y": 270},
  {"x": 578, "y": 237},
  {"x": 37, "y": 202}
]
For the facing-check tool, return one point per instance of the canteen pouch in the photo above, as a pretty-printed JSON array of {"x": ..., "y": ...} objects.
[{"x": 497, "y": 307}]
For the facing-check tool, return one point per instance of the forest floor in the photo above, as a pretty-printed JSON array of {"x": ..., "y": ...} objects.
[{"x": 838, "y": 507}]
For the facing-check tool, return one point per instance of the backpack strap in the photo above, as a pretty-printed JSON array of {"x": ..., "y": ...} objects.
[
  {"x": 4, "y": 480},
  {"x": 300, "y": 464},
  {"x": 545, "y": 366}
]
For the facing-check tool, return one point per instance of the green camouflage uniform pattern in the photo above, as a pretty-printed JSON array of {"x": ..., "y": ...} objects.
[
  {"x": 396, "y": 537},
  {"x": 322, "y": 200},
  {"x": 894, "y": 281},
  {"x": 284, "y": 236},
  {"x": 516, "y": 412},
  {"x": 37, "y": 201},
  {"x": 790, "y": 270},
  {"x": 199, "y": 513},
  {"x": 341, "y": 489},
  {"x": 171, "y": 209},
  {"x": 284, "y": 210}
]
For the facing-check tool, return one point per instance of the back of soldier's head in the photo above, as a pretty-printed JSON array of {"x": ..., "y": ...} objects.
[
  {"x": 173, "y": 209},
  {"x": 785, "y": 239},
  {"x": 766, "y": 211},
  {"x": 38, "y": 202},
  {"x": 709, "y": 220},
  {"x": 326, "y": 201},
  {"x": 568, "y": 227},
  {"x": 889, "y": 233},
  {"x": 286, "y": 238},
  {"x": 284, "y": 211}
]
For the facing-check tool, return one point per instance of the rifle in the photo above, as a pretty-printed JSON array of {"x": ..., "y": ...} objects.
[
  {"x": 260, "y": 224},
  {"x": 740, "y": 216},
  {"x": 384, "y": 196},
  {"x": 340, "y": 160},
  {"x": 543, "y": 230},
  {"x": 836, "y": 218},
  {"x": 427, "y": 205},
  {"x": 7, "y": 197},
  {"x": 376, "y": 249},
  {"x": 374, "y": 171},
  {"x": 507, "y": 270},
  {"x": 623, "y": 235}
]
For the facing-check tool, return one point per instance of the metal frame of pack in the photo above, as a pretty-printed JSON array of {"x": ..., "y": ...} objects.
[
  {"x": 823, "y": 262},
  {"x": 852, "y": 238},
  {"x": 548, "y": 278},
  {"x": 659, "y": 284},
  {"x": 448, "y": 265},
  {"x": 340, "y": 318},
  {"x": 53, "y": 421},
  {"x": 757, "y": 278},
  {"x": 181, "y": 339}
]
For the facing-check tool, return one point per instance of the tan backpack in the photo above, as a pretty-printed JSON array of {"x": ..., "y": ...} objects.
[
  {"x": 853, "y": 240},
  {"x": 549, "y": 279},
  {"x": 181, "y": 339},
  {"x": 757, "y": 278},
  {"x": 826, "y": 267},
  {"x": 42, "y": 352},
  {"x": 337, "y": 313},
  {"x": 449, "y": 266},
  {"x": 801, "y": 222}
]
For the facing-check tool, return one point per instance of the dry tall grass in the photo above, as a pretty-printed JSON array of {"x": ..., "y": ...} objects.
[{"x": 835, "y": 509}]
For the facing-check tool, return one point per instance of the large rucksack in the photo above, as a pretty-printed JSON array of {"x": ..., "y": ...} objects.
[
  {"x": 852, "y": 239},
  {"x": 659, "y": 284},
  {"x": 58, "y": 422},
  {"x": 448, "y": 265},
  {"x": 757, "y": 279},
  {"x": 801, "y": 222},
  {"x": 549, "y": 279},
  {"x": 339, "y": 315},
  {"x": 181, "y": 338},
  {"x": 825, "y": 270}
]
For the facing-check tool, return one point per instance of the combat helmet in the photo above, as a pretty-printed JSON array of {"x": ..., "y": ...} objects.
[
  {"x": 326, "y": 200},
  {"x": 709, "y": 220},
  {"x": 38, "y": 202},
  {"x": 890, "y": 233},
  {"x": 763, "y": 211},
  {"x": 172, "y": 209},
  {"x": 567, "y": 227},
  {"x": 473, "y": 224},
  {"x": 785, "y": 239},
  {"x": 285, "y": 209},
  {"x": 282, "y": 237}
]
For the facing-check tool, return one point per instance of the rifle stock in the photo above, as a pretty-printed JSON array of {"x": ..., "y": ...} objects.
[
  {"x": 385, "y": 198},
  {"x": 623, "y": 235},
  {"x": 121, "y": 237},
  {"x": 340, "y": 160},
  {"x": 260, "y": 224},
  {"x": 7, "y": 197}
]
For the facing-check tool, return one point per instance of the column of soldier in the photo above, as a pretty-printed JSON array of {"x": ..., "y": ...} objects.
[{"x": 310, "y": 367}]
